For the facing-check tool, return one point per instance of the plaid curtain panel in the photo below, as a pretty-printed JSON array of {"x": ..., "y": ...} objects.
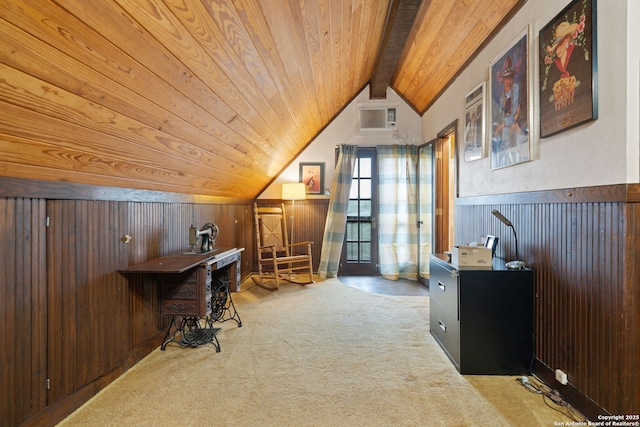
[
  {"x": 397, "y": 211},
  {"x": 337, "y": 215}
]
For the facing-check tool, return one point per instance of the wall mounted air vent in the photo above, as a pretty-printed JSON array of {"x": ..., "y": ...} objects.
[{"x": 378, "y": 119}]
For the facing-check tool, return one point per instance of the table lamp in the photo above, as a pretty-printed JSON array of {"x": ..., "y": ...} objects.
[{"x": 516, "y": 264}]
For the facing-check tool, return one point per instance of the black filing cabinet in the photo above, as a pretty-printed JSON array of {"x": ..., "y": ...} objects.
[{"x": 482, "y": 318}]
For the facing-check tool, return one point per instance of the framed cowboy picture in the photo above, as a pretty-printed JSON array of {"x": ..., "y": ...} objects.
[
  {"x": 510, "y": 104},
  {"x": 568, "y": 69}
]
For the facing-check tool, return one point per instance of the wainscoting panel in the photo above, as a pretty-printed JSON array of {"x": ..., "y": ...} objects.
[
  {"x": 146, "y": 224},
  {"x": 72, "y": 322},
  {"x": 22, "y": 309},
  {"x": 88, "y": 300},
  {"x": 586, "y": 275}
]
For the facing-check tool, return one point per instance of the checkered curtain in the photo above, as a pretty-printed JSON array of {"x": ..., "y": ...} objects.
[
  {"x": 337, "y": 216},
  {"x": 397, "y": 207}
]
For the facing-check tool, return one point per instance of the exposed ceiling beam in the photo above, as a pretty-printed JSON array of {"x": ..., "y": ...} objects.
[{"x": 400, "y": 19}]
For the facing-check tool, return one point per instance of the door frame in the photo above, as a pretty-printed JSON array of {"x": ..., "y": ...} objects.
[
  {"x": 420, "y": 222},
  {"x": 365, "y": 269},
  {"x": 445, "y": 187}
]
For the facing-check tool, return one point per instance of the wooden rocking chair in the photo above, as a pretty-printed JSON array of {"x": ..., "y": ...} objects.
[{"x": 277, "y": 258}]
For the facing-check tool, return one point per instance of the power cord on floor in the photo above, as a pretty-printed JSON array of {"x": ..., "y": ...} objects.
[{"x": 551, "y": 397}]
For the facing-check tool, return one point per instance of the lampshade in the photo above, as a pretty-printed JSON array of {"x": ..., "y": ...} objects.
[{"x": 294, "y": 191}]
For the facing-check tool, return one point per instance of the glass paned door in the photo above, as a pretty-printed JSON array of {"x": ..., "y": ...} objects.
[{"x": 360, "y": 251}]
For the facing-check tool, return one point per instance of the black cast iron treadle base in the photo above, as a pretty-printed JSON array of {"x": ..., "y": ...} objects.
[
  {"x": 192, "y": 332},
  {"x": 195, "y": 331}
]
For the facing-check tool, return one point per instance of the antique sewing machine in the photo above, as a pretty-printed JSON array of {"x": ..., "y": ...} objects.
[
  {"x": 207, "y": 233},
  {"x": 194, "y": 288}
]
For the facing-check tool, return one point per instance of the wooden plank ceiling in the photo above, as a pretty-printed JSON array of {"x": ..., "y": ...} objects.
[{"x": 209, "y": 97}]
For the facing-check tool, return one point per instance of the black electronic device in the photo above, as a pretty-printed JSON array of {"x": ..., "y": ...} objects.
[{"x": 491, "y": 242}]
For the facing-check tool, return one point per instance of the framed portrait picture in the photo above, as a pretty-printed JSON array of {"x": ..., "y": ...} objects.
[
  {"x": 312, "y": 175},
  {"x": 568, "y": 69},
  {"x": 510, "y": 104},
  {"x": 474, "y": 124}
]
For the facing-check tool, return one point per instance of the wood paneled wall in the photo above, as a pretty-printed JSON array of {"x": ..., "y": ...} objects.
[
  {"x": 585, "y": 250},
  {"x": 23, "y": 315},
  {"x": 66, "y": 313},
  {"x": 71, "y": 317}
]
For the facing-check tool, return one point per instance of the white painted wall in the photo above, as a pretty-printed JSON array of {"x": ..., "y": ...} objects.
[
  {"x": 344, "y": 130},
  {"x": 605, "y": 151},
  {"x": 633, "y": 89}
]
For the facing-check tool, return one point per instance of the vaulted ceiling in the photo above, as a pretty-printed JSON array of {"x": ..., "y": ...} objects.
[{"x": 211, "y": 97}]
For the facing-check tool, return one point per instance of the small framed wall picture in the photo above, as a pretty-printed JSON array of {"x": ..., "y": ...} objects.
[
  {"x": 312, "y": 175},
  {"x": 474, "y": 124}
]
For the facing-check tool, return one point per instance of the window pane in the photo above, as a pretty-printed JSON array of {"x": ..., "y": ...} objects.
[
  {"x": 365, "y": 167},
  {"x": 352, "y": 252},
  {"x": 355, "y": 168},
  {"x": 365, "y": 208},
  {"x": 365, "y": 251},
  {"x": 352, "y": 231},
  {"x": 352, "y": 209},
  {"x": 353, "y": 192},
  {"x": 365, "y": 231},
  {"x": 365, "y": 188}
]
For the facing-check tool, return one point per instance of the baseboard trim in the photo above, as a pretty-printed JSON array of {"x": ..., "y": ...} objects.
[{"x": 572, "y": 395}]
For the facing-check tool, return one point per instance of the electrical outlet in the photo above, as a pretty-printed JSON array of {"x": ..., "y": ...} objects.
[{"x": 561, "y": 377}]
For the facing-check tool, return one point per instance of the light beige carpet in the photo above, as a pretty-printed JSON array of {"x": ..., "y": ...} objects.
[{"x": 318, "y": 355}]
